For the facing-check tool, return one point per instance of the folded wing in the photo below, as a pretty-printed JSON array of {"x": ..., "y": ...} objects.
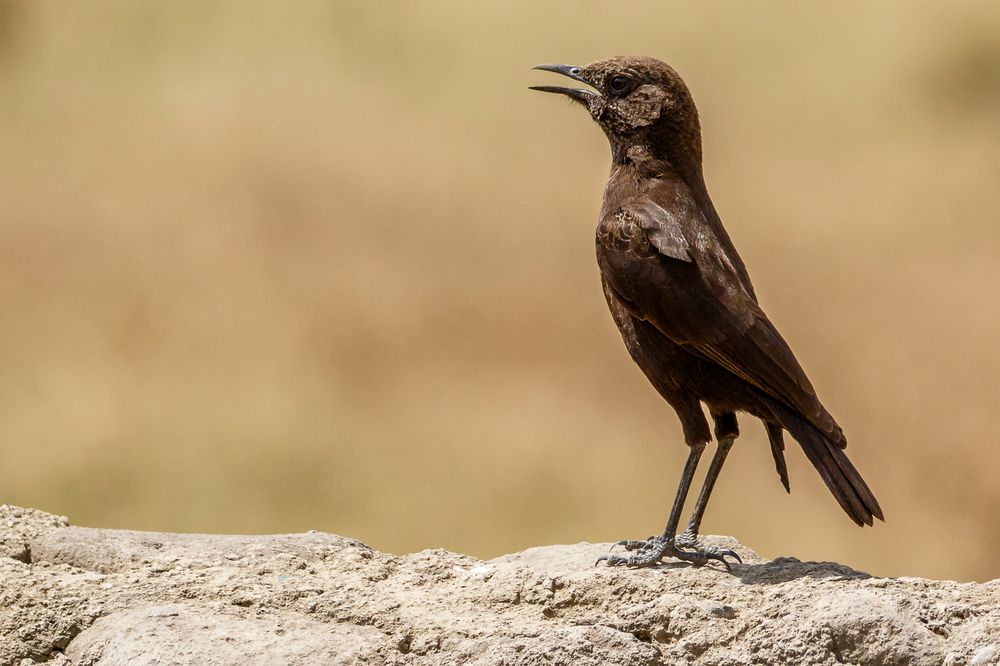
[{"x": 694, "y": 289}]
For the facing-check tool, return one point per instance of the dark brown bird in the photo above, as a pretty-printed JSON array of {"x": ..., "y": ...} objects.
[{"x": 683, "y": 300}]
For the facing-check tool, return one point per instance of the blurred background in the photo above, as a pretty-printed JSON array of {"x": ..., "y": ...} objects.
[{"x": 270, "y": 268}]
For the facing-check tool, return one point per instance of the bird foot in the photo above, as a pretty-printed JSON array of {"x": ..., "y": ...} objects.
[
  {"x": 655, "y": 548},
  {"x": 688, "y": 539},
  {"x": 630, "y": 544},
  {"x": 651, "y": 551}
]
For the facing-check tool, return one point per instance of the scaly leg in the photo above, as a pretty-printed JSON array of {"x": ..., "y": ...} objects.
[
  {"x": 655, "y": 549},
  {"x": 689, "y": 538}
]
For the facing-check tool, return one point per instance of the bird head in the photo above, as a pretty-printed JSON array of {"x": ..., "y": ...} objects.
[{"x": 641, "y": 103}]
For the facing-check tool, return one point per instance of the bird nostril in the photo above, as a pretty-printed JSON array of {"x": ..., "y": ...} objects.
[{"x": 575, "y": 71}]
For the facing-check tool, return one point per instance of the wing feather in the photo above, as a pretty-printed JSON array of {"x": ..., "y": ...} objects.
[{"x": 693, "y": 292}]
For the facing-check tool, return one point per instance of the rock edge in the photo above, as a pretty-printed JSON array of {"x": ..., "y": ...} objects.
[{"x": 72, "y": 595}]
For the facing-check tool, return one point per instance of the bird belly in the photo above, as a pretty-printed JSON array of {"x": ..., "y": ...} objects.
[{"x": 675, "y": 370}]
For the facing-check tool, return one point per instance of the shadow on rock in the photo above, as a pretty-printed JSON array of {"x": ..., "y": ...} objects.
[{"x": 785, "y": 569}]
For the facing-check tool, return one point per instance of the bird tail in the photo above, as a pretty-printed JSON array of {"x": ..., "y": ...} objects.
[
  {"x": 833, "y": 465},
  {"x": 778, "y": 451}
]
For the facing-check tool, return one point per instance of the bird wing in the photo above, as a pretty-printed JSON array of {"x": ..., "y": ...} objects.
[
  {"x": 662, "y": 229},
  {"x": 691, "y": 289}
]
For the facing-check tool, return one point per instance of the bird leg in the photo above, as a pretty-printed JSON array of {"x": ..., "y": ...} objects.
[
  {"x": 689, "y": 538},
  {"x": 654, "y": 549}
]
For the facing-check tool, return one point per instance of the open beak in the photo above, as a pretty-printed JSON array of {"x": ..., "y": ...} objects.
[{"x": 582, "y": 95}]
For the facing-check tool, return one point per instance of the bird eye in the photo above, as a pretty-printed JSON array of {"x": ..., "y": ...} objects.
[{"x": 618, "y": 84}]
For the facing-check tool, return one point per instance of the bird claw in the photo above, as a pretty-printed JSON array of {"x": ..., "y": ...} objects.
[
  {"x": 612, "y": 560},
  {"x": 699, "y": 558},
  {"x": 655, "y": 548},
  {"x": 650, "y": 553},
  {"x": 630, "y": 561},
  {"x": 690, "y": 540},
  {"x": 632, "y": 544},
  {"x": 725, "y": 552}
]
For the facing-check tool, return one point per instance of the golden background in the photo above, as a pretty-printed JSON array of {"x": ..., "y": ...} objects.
[{"x": 269, "y": 268}]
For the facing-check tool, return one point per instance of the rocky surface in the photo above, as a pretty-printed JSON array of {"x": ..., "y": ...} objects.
[{"x": 71, "y": 595}]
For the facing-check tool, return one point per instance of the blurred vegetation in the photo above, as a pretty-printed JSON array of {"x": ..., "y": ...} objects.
[{"x": 272, "y": 267}]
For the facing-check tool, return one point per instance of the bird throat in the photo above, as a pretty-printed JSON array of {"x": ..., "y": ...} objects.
[{"x": 648, "y": 164}]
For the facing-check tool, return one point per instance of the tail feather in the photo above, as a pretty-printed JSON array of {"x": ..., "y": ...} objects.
[
  {"x": 837, "y": 471},
  {"x": 778, "y": 451}
]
